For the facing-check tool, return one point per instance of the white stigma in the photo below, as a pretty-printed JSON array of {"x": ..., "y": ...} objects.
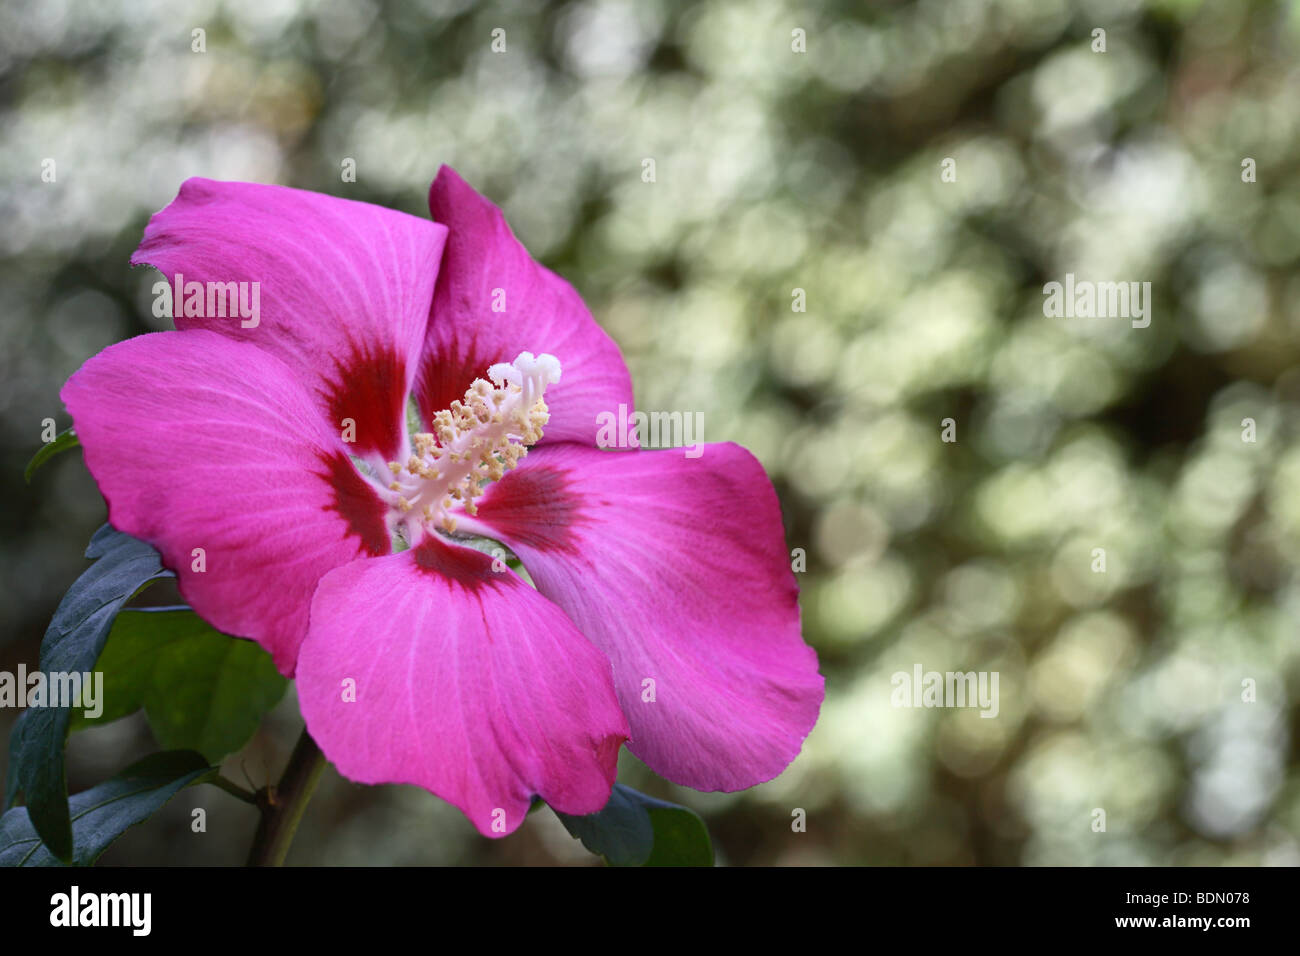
[{"x": 474, "y": 442}]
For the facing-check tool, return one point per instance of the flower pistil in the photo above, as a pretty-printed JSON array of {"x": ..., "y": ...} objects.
[{"x": 472, "y": 443}]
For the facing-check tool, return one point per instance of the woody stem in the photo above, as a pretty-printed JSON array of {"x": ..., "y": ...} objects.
[{"x": 283, "y": 805}]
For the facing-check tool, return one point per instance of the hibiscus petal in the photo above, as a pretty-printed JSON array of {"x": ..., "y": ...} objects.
[
  {"x": 486, "y": 266},
  {"x": 429, "y": 668},
  {"x": 676, "y": 568},
  {"x": 201, "y": 442},
  {"x": 344, "y": 289}
]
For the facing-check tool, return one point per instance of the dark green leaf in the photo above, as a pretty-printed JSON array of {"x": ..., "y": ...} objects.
[
  {"x": 681, "y": 838},
  {"x": 621, "y": 832},
  {"x": 104, "y": 812},
  {"x": 62, "y": 442},
  {"x": 636, "y": 830},
  {"x": 200, "y": 689},
  {"x": 72, "y": 644}
]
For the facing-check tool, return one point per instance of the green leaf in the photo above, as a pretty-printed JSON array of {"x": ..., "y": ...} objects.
[
  {"x": 200, "y": 689},
  {"x": 62, "y": 442},
  {"x": 103, "y": 813},
  {"x": 72, "y": 643},
  {"x": 621, "y": 832},
  {"x": 636, "y": 830},
  {"x": 681, "y": 838}
]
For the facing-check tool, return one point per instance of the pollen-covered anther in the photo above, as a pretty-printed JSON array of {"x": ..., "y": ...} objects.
[{"x": 474, "y": 441}]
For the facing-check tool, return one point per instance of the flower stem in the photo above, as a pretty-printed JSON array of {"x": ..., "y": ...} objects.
[
  {"x": 235, "y": 790},
  {"x": 283, "y": 805}
]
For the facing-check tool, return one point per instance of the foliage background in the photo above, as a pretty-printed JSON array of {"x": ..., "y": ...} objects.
[{"x": 775, "y": 170}]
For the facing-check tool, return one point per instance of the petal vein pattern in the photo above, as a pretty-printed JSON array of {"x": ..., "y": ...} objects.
[
  {"x": 493, "y": 302},
  {"x": 429, "y": 668},
  {"x": 210, "y": 450},
  {"x": 342, "y": 290},
  {"x": 677, "y": 569}
]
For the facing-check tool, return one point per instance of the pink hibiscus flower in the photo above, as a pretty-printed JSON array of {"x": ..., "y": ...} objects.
[{"x": 269, "y": 462}]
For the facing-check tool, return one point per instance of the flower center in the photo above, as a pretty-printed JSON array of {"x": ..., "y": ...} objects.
[{"x": 473, "y": 442}]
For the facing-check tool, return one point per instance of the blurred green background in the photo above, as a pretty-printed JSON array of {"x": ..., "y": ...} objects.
[{"x": 778, "y": 171}]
